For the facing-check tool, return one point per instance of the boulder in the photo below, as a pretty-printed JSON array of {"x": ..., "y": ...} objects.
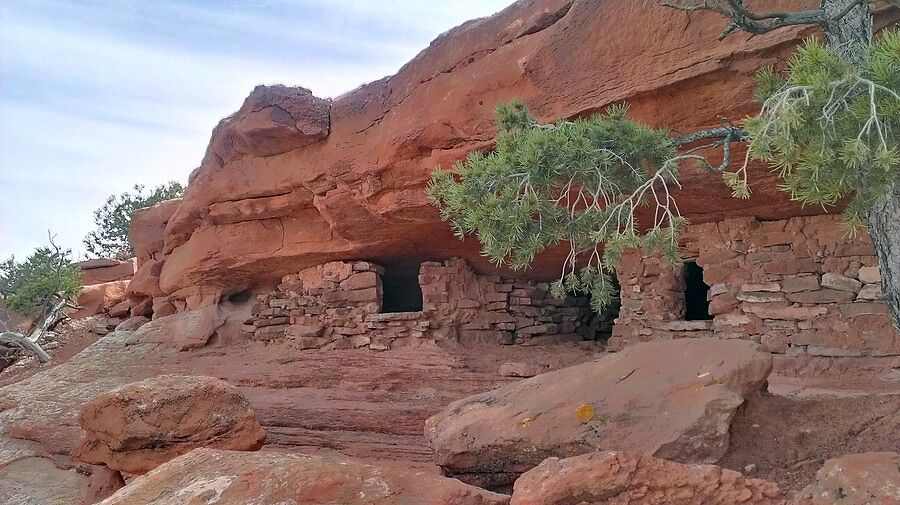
[
  {"x": 132, "y": 323},
  {"x": 142, "y": 307},
  {"x": 272, "y": 120},
  {"x": 140, "y": 426},
  {"x": 671, "y": 399},
  {"x": 619, "y": 478},
  {"x": 145, "y": 282},
  {"x": 148, "y": 226},
  {"x": 121, "y": 309},
  {"x": 261, "y": 478},
  {"x": 99, "y": 298},
  {"x": 856, "y": 479},
  {"x": 183, "y": 330}
]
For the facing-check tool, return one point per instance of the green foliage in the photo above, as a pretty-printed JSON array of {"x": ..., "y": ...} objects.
[
  {"x": 830, "y": 129},
  {"x": 113, "y": 219},
  {"x": 29, "y": 287},
  {"x": 578, "y": 181}
]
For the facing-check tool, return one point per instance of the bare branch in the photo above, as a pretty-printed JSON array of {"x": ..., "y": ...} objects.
[
  {"x": 25, "y": 343},
  {"x": 731, "y": 133},
  {"x": 759, "y": 23}
]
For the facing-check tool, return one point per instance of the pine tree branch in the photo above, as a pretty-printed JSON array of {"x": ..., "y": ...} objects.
[
  {"x": 758, "y": 23},
  {"x": 729, "y": 133},
  {"x": 725, "y": 135}
]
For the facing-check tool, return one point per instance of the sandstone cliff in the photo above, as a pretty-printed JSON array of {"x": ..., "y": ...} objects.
[{"x": 292, "y": 180}]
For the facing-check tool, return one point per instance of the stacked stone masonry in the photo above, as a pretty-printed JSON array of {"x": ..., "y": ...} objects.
[
  {"x": 797, "y": 286},
  {"x": 339, "y": 305}
]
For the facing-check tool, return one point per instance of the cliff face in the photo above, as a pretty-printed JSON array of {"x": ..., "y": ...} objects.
[{"x": 292, "y": 180}]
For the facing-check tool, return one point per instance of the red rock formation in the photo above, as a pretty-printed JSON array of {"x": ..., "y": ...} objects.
[
  {"x": 140, "y": 426},
  {"x": 856, "y": 479},
  {"x": 97, "y": 298},
  {"x": 210, "y": 476},
  {"x": 671, "y": 399},
  {"x": 98, "y": 271},
  {"x": 607, "y": 478},
  {"x": 274, "y": 195}
]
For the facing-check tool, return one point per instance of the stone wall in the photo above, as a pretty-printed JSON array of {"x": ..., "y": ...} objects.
[
  {"x": 339, "y": 305},
  {"x": 797, "y": 286}
]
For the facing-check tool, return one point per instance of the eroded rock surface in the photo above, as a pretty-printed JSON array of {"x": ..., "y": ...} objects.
[
  {"x": 272, "y": 120},
  {"x": 263, "y": 478},
  {"x": 98, "y": 271},
  {"x": 359, "y": 403},
  {"x": 137, "y": 427},
  {"x": 619, "y": 478},
  {"x": 98, "y": 298},
  {"x": 671, "y": 399},
  {"x": 856, "y": 479},
  {"x": 275, "y": 194},
  {"x": 184, "y": 330}
]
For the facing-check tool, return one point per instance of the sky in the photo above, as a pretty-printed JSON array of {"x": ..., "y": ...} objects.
[{"x": 98, "y": 96}]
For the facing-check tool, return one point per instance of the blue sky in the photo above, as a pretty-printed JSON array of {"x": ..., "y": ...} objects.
[{"x": 98, "y": 96}]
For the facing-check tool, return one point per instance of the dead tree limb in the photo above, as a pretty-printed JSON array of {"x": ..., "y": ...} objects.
[
  {"x": 50, "y": 311},
  {"x": 743, "y": 19},
  {"x": 31, "y": 343},
  {"x": 24, "y": 342}
]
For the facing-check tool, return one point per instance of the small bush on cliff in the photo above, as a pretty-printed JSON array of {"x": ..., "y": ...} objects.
[
  {"x": 113, "y": 219},
  {"x": 32, "y": 286}
]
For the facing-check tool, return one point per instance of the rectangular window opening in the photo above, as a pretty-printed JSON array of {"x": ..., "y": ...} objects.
[
  {"x": 400, "y": 288},
  {"x": 696, "y": 293}
]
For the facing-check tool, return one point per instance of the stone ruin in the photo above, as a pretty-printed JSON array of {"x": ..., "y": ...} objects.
[
  {"x": 360, "y": 304},
  {"x": 798, "y": 286}
]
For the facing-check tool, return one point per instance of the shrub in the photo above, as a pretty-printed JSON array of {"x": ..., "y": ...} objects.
[
  {"x": 30, "y": 287},
  {"x": 113, "y": 219}
]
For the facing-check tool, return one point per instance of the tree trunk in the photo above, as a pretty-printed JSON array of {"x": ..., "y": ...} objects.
[
  {"x": 884, "y": 227},
  {"x": 849, "y": 36}
]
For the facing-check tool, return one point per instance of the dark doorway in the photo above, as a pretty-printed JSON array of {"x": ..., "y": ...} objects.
[
  {"x": 696, "y": 293},
  {"x": 400, "y": 287}
]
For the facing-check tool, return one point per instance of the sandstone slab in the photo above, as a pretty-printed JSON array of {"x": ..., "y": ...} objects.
[
  {"x": 856, "y": 479},
  {"x": 148, "y": 227},
  {"x": 140, "y": 426},
  {"x": 617, "y": 478},
  {"x": 100, "y": 271},
  {"x": 183, "y": 331},
  {"x": 671, "y": 399},
  {"x": 37, "y": 480},
  {"x": 98, "y": 298},
  {"x": 261, "y": 478}
]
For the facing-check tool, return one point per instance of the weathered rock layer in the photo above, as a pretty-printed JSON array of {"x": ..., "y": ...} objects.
[
  {"x": 140, "y": 426},
  {"x": 210, "y": 476},
  {"x": 291, "y": 180},
  {"x": 671, "y": 399}
]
